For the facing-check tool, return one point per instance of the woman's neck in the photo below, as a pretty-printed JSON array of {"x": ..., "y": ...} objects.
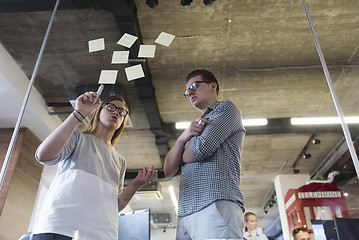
[{"x": 104, "y": 135}]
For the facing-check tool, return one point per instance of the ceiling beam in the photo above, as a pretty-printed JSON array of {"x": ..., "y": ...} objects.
[{"x": 126, "y": 18}]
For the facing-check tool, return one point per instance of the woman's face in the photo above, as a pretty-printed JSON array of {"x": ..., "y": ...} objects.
[
  {"x": 110, "y": 115},
  {"x": 251, "y": 223}
]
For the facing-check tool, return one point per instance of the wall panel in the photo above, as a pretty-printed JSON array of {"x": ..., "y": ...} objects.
[{"x": 22, "y": 181}]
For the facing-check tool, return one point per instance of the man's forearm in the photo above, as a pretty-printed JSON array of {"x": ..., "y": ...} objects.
[
  {"x": 187, "y": 156},
  {"x": 173, "y": 160}
]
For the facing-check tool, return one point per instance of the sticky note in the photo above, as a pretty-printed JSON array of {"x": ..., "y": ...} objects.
[
  {"x": 120, "y": 57},
  {"x": 127, "y": 40},
  {"x": 134, "y": 72},
  {"x": 96, "y": 45},
  {"x": 108, "y": 77},
  {"x": 165, "y": 39},
  {"x": 73, "y": 103},
  {"x": 147, "y": 51}
]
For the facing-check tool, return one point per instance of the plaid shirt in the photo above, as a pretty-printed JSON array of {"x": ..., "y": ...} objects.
[{"x": 216, "y": 176}]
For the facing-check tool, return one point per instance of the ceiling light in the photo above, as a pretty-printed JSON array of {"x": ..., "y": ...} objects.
[
  {"x": 152, "y": 3},
  {"x": 173, "y": 197},
  {"x": 316, "y": 141},
  {"x": 322, "y": 120},
  {"x": 255, "y": 122},
  {"x": 307, "y": 155},
  {"x": 346, "y": 194},
  {"x": 246, "y": 123},
  {"x": 186, "y": 2},
  {"x": 265, "y": 210},
  {"x": 182, "y": 125}
]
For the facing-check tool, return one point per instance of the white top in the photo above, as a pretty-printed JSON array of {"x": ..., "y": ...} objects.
[
  {"x": 259, "y": 235},
  {"x": 82, "y": 199}
]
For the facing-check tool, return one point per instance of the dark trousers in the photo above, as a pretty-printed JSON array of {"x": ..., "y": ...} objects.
[{"x": 50, "y": 236}]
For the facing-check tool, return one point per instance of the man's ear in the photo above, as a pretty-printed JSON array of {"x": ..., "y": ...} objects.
[{"x": 214, "y": 86}]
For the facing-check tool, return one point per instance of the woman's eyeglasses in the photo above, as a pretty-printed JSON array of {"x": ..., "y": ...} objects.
[
  {"x": 112, "y": 108},
  {"x": 193, "y": 87}
]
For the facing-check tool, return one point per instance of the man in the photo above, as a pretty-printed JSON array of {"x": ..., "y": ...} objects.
[
  {"x": 301, "y": 234},
  {"x": 208, "y": 156}
]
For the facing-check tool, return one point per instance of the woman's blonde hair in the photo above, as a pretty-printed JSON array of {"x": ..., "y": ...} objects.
[{"x": 92, "y": 126}]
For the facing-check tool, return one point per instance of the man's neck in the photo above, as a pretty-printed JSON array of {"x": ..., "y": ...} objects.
[{"x": 210, "y": 103}]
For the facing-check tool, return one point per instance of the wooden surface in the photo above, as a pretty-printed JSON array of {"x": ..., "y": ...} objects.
[
  {"x": 5, "y": 136},
  {"x": 21, "y": 187}
]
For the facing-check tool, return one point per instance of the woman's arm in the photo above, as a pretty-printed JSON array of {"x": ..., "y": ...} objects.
[
  {"x": 52, "y": 146},
  {"x": 143, "y": 177}
]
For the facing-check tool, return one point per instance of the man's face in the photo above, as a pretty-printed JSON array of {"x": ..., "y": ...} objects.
[
  {"x": 302, "y": 236},
  {"x": 198, "y": 96}
]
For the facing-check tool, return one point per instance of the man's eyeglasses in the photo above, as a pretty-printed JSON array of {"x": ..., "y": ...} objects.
[
  {"x": 112, "y": 108},
  {"x": 193, "y": 87}
]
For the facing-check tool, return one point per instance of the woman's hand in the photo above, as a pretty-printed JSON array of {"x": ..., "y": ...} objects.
[
  {"x": 84, "y": 103},
  {"x": 254, "y": 234},
  {"x": 144, "y": 176}
]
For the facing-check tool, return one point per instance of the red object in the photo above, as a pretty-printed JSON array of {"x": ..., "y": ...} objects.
[{"x": 320, "y": 201}]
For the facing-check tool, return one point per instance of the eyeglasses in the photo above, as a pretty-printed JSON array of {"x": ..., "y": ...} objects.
[
  {"x": 193, "y": 87},
  {"x": 112, "y": 108}
]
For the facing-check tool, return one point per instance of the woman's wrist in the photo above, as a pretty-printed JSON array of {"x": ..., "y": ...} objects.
[
  {"x": 82, "y": 116},
  {"x": 74, "y": 114},
  {"x": 78, "y": 115}
]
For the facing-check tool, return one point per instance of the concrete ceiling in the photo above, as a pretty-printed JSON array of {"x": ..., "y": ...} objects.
[{"x": 262, "y": 52}]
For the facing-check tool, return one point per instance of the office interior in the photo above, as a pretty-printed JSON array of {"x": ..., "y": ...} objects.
[{"x": 265, "y": 56}]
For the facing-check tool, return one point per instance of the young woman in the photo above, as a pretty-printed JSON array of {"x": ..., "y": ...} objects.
[
  {"x": 87, "y": 192},
  {"x": 251, "y": 232}
]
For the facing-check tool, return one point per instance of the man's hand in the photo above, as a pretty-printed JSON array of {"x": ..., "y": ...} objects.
[
  {"x": 174, "y": 158},
  {"x": 194, "y": 129}
]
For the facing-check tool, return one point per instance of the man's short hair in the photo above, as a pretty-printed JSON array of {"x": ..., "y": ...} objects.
[
  {"x": 205, "y": 75},
  {"x": 298, "y": 230}
]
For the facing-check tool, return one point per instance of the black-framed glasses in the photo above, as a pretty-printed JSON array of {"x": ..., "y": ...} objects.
[
  {"x": 193, "y": 87},
  {"x": 112, "y": 108}
]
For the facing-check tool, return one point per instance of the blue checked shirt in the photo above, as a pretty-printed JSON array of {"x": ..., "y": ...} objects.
[{"x": 216, "y": 176}]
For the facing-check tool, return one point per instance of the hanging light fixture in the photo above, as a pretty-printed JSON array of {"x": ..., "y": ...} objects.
[
  {"x": 208, "y": 2},
  {"x": 186, "y": 2},
  {"x": 152, "y": 3}
]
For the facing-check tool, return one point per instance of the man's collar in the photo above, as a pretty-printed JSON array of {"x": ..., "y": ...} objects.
[{"x": 209, "y": 109}]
